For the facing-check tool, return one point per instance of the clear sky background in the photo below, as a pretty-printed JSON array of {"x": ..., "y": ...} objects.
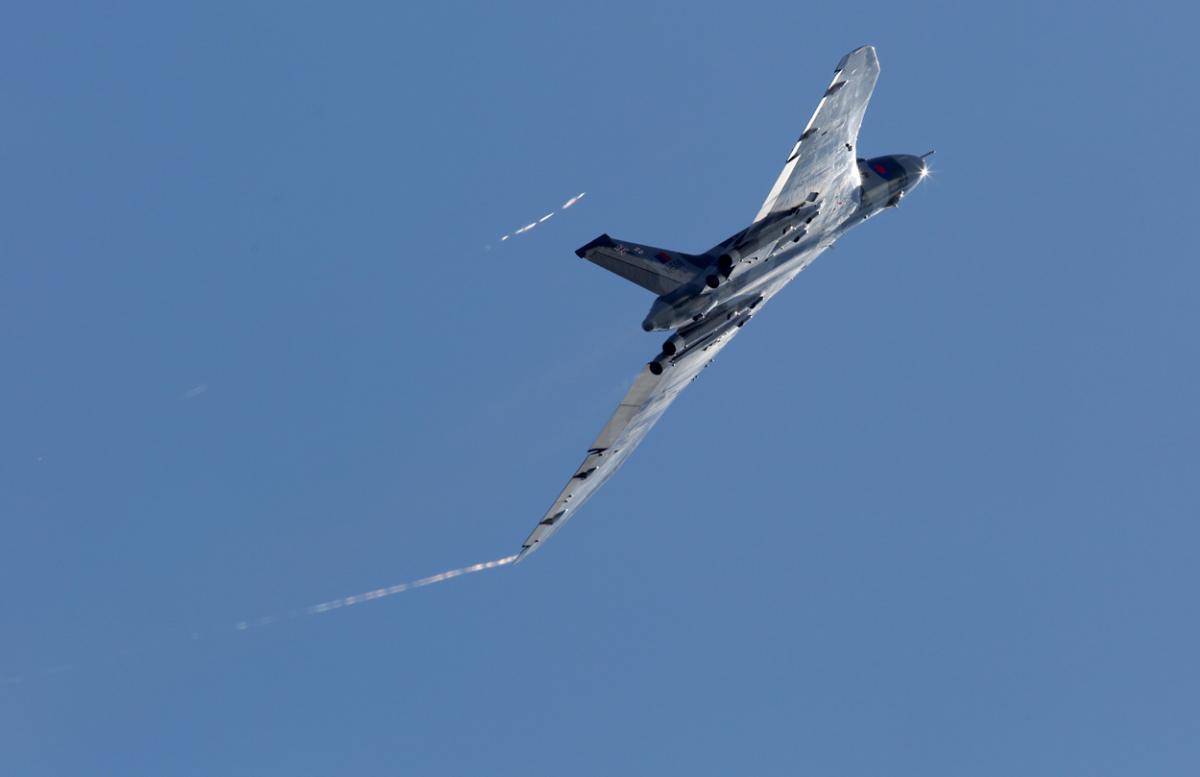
[{"x": 935, "y": 512}]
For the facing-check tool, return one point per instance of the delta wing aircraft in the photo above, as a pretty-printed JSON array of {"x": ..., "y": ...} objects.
[{"x": 705, "y": 299}]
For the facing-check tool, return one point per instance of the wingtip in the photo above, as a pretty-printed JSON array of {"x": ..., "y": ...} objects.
[
  {"x": 603, "y": 241},
  {"x": 868, "y": 49}
]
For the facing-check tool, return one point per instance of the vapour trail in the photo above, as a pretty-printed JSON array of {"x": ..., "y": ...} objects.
[
  {"x": 378, "y": 593},
  {"x": 533, "y": 224},
  {"x": 316, "y": 609}
]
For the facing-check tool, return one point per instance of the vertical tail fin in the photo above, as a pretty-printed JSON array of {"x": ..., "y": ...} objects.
[{"x": 659, "y": 270}]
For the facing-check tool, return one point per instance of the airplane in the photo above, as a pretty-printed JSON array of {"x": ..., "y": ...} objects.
[{"x": 705, "y": 299}]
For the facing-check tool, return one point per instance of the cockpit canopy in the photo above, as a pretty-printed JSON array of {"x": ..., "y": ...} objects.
[{"x": 886, "y": 179}]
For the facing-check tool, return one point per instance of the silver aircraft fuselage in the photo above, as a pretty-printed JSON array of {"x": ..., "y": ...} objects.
[{"x": 780, "y": 249}]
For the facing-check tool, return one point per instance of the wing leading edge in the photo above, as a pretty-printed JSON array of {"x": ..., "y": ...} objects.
[{"x": 823, "y": 159}]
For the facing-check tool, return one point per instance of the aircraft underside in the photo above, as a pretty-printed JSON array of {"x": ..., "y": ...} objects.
[{"x": 704, "y": 300}]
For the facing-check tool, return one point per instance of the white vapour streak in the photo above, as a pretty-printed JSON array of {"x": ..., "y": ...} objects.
[
  {"x": 400, "y": 588},
  {"x": 194, "y": 392},
  {"x": 379, "y": 593},
  {"x": 545, "y": 218},
  {"x": 316, "y": 609}
]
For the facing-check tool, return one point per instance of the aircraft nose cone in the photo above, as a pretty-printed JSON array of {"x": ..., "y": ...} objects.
[{"x": 915, "y": 168}]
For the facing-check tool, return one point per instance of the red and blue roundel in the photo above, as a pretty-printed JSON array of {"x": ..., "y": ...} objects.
[{"x": 886, "y": 167}]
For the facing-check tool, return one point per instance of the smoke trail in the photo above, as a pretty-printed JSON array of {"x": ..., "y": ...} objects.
[{"x": 378, "y": 593}]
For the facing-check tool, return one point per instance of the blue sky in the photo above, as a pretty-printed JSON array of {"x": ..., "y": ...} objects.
[{"x": 935, "y": 512}]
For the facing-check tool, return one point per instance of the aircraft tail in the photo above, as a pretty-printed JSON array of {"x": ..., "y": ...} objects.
[{"x": 659, "y": 270}]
